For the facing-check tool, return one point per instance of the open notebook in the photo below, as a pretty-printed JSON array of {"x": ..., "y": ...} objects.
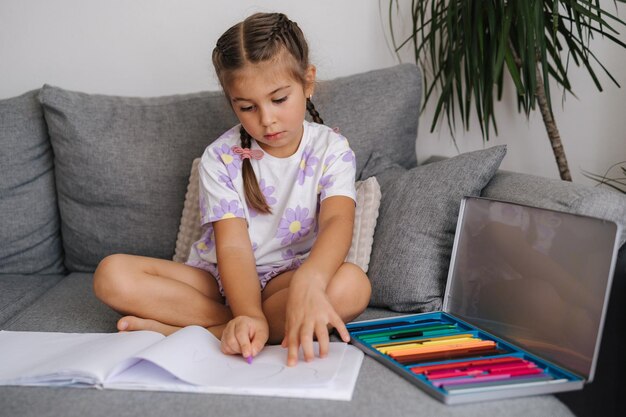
[{"x": 189, "y": 360}]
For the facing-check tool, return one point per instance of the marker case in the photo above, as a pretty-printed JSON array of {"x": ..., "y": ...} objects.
[{"x": 523, "y": 311}]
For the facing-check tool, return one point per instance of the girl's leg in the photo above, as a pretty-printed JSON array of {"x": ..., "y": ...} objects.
[
  {"x": 158, "y": 294},
  {"x": 349, "y": 293}
]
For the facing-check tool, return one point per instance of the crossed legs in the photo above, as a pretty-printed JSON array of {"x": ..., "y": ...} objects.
[{"x": 161, "y": 295}]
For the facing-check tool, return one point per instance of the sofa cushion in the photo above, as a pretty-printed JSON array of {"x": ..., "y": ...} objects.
[
  {"x": 377, "y": 111},
  {"x": 122, "y": 163},
  {"x": 416, "y": 227},
  {"x": 366, "y": 212},
  {"x": 122, "y": 166},
  {"x": 69, "y": 306},
  {"x": 30, "y": 225},
  {"x": 19, "y": 291},
  {"x": 368, "y": 197}
]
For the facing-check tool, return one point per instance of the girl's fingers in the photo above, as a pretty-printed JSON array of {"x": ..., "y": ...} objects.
[
  {"x": 306, "y": 340},
  {"x": 339, "y": 325},
  {"x": 229, "y": 344},
  {"x": 242, "y": 335},
  {"x": 293, "y": 344},
  {"x": 322, "y": 339},
  {"x": 258, "y": 342}
]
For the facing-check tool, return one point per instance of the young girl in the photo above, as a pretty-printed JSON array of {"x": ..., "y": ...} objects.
[{"x": 277, "y": 204}]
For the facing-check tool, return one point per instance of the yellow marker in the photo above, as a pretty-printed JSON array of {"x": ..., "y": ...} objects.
[
  {"x": 390, "y": 349},
  {"x": 422, "y": 340}
]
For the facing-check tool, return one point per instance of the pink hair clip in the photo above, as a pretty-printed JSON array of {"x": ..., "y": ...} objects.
[{"x": 247, "y": 153}]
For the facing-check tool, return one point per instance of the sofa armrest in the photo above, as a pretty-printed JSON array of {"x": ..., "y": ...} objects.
[{"x": 559, "y": 195}]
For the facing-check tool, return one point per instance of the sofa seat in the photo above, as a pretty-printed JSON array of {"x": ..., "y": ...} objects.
[
  {"x": 19, "y": 291},
  {"x": 73, "y": 297}
]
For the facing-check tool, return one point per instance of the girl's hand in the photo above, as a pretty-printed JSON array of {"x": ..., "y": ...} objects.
[
  {"x": 309, "y": 313},
  {"x": 245, "y": 335}
]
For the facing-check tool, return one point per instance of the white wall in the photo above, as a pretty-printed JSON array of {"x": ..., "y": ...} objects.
[{"x": 159, "y": 47}]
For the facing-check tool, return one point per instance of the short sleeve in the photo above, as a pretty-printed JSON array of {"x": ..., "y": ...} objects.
[
  {"x": 219, "y": 171},
  {"x": 339, "y": 171}
]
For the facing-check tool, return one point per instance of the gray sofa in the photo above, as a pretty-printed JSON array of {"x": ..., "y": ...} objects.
[{"x": 84, "y": 175}]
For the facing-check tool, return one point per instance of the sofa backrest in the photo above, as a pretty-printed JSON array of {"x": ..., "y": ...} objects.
[
  {"x": 30, "y": 240},
  {"x": 122, "y": 163},
  {"x": 376, "y": 111}
]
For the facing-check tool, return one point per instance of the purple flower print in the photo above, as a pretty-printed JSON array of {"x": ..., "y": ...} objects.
[
  {"x": 267, "y": 191},
  {"x": 227, "y": 210},
  {"x": 227, "y": 181},
  {"x": 307, "y": 163},
  {"x": 325, "y": 183},
  {"x": 329, "y": 160},
  {"x": 229, "y": 159},
  {"x": 207, "y": 242},
  {"x": 290, "y": 255},
  {"x": 294, "y": 225},
  {"x": 348, "y": 156}
]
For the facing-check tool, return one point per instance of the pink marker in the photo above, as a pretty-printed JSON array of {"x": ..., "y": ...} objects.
[{"x": 249, "y": 360}]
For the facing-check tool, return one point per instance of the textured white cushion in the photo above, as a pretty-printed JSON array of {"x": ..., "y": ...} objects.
[
  {"x": 367, "y": 204},
  {"x": 365, "y": 216}
]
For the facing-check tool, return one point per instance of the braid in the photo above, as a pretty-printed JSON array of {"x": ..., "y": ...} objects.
[
  {"x": 246, "y": 139},
  {"x": 280, "y": 28},
  {"x": 285, "y": 32},
  {"x": 254, "y": 195},
  {"x": 313, "y": 112}
]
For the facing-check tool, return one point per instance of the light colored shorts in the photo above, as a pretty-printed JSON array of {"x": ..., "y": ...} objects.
[{"x": 265, "y": 272}]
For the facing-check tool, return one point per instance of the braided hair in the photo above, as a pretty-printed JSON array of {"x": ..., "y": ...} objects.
[{"x": 260, "y": 38}]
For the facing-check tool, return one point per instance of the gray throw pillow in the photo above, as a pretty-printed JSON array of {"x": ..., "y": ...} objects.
[
  {"x": 30, "y": 226},
  {"x": 122, "y": 165},
  {"x": 416, "y": 226}
]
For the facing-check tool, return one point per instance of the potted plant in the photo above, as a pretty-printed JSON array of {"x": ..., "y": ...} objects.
[{"x": 467, "y": 46}]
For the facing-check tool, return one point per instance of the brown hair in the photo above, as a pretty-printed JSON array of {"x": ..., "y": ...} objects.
[{"x": 259, "y": 38}]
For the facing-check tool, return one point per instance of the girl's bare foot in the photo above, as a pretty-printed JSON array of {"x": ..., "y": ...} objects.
[{"x": 132, "y": 323}]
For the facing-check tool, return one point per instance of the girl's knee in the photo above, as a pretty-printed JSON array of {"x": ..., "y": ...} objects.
[
  {"x": 108, "y": 279},
  {"x": 351, "y": 287}
]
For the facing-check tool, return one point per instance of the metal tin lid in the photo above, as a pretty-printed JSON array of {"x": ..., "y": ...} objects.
[{"x": 536, "y": 277}]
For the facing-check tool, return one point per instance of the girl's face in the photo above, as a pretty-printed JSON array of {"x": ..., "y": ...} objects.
[{"x": 270, "y": 104}]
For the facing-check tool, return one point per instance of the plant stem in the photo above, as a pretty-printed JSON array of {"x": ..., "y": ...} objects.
[{"x": 553, "y": 132}]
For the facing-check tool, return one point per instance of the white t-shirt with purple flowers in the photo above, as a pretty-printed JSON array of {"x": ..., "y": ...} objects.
[{"x": 323, "y": 166}]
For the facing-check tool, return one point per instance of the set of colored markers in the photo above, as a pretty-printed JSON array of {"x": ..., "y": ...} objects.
[{"x": 442, "y": 353}]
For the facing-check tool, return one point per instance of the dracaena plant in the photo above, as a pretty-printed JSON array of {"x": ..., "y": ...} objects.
[
  {"x": 614, "y": 177},
  {"x": 466, "y": 46}
]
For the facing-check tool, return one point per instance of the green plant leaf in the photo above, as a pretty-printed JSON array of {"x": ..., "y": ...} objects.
[{"x": 467, "y": 45}]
